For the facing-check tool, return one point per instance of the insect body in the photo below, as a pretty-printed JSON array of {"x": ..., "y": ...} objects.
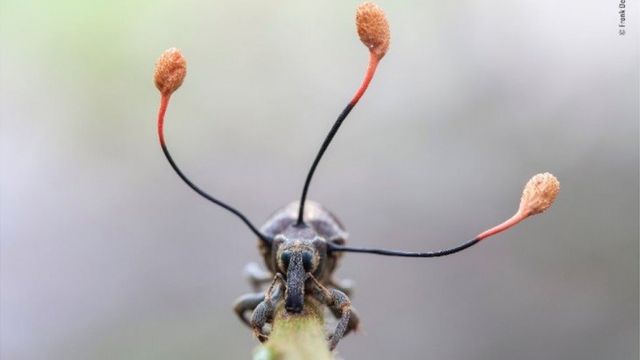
[
  {"x": 303, "y": 267},
  {"x": 302, "y": 243}
]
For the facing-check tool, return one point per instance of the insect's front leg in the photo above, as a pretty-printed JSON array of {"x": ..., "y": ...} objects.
[
  {"x": 338, "y": 303},
  {"x": 263, "y": 314},
  {"x": 354, "y": 319}
]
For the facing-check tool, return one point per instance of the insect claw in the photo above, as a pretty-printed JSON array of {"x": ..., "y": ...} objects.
[{"x": 262, "y": 337}]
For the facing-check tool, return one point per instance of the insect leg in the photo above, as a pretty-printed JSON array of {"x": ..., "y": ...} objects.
[
  {"x": 247, "y": 302},
  {"x": 354, "y": 320},
  {"x": 263, "y": 313},
  {"x": 339, "y": 304}
]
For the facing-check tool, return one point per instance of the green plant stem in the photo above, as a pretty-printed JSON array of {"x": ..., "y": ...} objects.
[{"x": 296, "y": 337}]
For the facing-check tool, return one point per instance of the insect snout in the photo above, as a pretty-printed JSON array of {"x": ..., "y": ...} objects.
[{"x": 296, "y": 265}]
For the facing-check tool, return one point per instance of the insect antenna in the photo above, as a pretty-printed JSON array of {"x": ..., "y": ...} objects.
[
  {"x": 538, "y": 195},
  {"x": 373, "y": 30},
  {"x": 171, "y": 70}
]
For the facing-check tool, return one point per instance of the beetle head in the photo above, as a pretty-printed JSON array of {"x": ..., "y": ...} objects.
[{"x": 298, "y": 251}]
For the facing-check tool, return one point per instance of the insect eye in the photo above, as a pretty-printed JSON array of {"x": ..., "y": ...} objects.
[
  {"x": 307, "y": 259},
  {"x": 285, "y": 257}
]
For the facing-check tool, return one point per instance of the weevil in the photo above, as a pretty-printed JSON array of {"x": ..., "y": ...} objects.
[{"x": 302, "y": 243}]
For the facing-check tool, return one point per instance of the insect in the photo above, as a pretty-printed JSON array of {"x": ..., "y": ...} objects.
[{"x": 302, "y": 243}]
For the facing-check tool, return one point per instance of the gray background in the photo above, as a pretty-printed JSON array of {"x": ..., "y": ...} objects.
[{"x": 105, "y": 254}]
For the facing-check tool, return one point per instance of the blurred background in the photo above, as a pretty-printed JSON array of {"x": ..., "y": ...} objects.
[{"x": 106, "y": 254}]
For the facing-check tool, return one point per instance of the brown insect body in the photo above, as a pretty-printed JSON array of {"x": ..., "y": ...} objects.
[
  {"x": 300, "y": 267},
  {"x": 321, "y": 227}
]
